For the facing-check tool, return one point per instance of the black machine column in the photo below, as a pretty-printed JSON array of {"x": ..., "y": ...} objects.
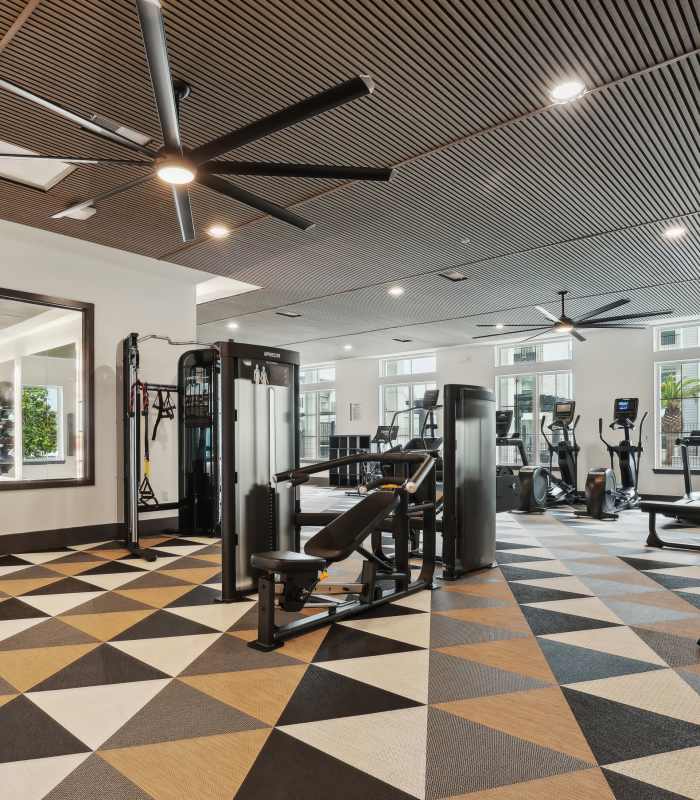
[{"x": 469, "y": 513}]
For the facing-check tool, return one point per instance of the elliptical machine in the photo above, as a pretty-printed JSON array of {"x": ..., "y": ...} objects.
[
  {"x": 538, "y": 486},
  {"x": 604, "y": 498}
]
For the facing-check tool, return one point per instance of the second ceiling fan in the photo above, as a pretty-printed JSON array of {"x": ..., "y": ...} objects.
[
  {"x": 178, "y": 165},
  {"x": 565, "y": 324}
]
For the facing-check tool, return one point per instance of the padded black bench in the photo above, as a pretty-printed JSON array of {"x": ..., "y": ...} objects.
[
  {"x": 685, "y": 510},
  {"x": 298, "y": 572}
]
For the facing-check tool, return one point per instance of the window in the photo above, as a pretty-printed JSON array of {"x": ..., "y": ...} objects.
[
  {"x": 325, "y": 373},
  {"x": 677, "y": 337},
  {"x": 398, "y": 397},
  {"x": 677, "y": 410},
  {"x": 317, "y": 412},
  {"x": 42, "y": 424},
  {"x": 531, "y": 396},
  {"x": 413, "y": 365},
  {"x": 554, "y": 350}
]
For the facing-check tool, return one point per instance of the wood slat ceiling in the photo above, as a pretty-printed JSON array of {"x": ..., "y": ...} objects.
[{"x": 569, "y": 197}]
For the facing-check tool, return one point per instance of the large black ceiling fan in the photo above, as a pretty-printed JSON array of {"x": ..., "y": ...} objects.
[
  {"x": 565, "y": 324},
  {"x": 178, "y": 165}
]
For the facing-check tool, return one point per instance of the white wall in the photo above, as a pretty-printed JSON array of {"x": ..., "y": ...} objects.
[
  {"x": 130, "y": 293},
  {"x": 609, "y": 364}
]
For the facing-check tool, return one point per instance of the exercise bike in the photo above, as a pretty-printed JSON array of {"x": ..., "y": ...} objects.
[
  {"x": 604, "y": 498},
  {"x": 539, "y": 489}
]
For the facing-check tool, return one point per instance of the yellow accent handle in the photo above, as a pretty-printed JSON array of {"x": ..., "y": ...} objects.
[{"x": 147, "y": 468}]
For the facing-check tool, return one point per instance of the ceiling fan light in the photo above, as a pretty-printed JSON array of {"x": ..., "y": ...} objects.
[
  {"x": 176, "y": 173},
  {"x": 564, "y": 327}
]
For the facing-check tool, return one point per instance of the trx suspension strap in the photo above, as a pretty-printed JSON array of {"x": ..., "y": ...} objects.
[
  {"x": 165, "y": 409},
  {"x": 146, "y": 494}
]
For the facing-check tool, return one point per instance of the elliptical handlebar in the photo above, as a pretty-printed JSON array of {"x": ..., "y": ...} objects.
[{"x": 641, "y": 426}]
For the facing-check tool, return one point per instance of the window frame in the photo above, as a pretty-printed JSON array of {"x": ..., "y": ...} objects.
[
  {"x": 658, "y": 466},
  {"x": 411, "y": 357},
  {"x": 537, "y": 412},
  {"x": 60, "y": 428},
  {"x": 682, "y": 345},
  {"x": 428, "y": 384},
  {"x": 500, "y": 348}
]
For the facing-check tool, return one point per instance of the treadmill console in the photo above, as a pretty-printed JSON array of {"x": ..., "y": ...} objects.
[
  {"x": 430, "y": 399},
  {"x": 386, "y": 434},
  {"x": 625, "y": 412},
  {"x": 504, "y": 419},
  {"x": 564, "y": 412}
]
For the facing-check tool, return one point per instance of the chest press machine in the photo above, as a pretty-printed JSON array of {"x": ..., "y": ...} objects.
[{"x": 290, "y": 578}]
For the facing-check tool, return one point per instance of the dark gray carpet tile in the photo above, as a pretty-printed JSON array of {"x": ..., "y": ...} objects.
[
  {"x": 95, "y": 779},
  {"x": 625, "y": 788},
  {"x": 572, "y": 664},
  {"x": 288, "y": 769},
  {"x": 676, "y": 651},
  {"x": 453, "y": 678},
  {"x": 445, "y": 631},
  {"x": 465, "y": 757},
  {"x": 618, "y": 732},
  {"x": 180, "y": 712}
]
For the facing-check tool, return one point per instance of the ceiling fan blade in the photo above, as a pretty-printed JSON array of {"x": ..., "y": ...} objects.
[
  {"x": 603, "y": 309},
  {"x": 539, "y": 333},
  {"x": 297, "y": 170},
  {"x": 577, "y": 335},
  {"x": 548, "y": 314},
  {"x": 277, "y": 121},
  {"x": 77, "y": 159},
  {"x": 249, "y": 199},
  {"x": 183, "y": 208},
  {"x": 593, "y": 327},
  {"x": 509, "y": 333},
  {"x": 103, "y": 196},
  {"x": 623, "y": 317},
  {"x": 507, "y": 325},
  {"x": 84, "y": 122},
  {"x": 154, "y": 42}
]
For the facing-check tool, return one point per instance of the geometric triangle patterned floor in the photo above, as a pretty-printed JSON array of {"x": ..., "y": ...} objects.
[{"x": 570, "y": 671}]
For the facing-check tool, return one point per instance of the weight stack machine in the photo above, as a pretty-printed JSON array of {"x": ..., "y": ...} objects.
[
  {"x": 469, "y": 512},
  {"x": 259, "y": 437},
  {"x": 238, "y": 425}
]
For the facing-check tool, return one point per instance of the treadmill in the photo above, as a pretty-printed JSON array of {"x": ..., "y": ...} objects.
[{"x": 687, "y": 509}]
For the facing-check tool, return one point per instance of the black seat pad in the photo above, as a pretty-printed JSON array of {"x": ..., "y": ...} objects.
[
  {"x": 286, "y": 561},
  {"x": 689, "y": 510},
  {"x": 340, "y": 538}
]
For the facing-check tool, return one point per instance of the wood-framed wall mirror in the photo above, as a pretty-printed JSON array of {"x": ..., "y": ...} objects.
[{"x": 46, "y": 391}]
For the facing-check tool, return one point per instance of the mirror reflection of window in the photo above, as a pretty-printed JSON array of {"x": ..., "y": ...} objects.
[{"x": 41, "y": 404}]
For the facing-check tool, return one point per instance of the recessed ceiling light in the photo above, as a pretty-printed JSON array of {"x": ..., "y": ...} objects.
[
  {"x": 218, "y": 231},
  {"x": 675, "y": 232},
  {"x": 232, "y": 325},
  {"x": 403, "y": 341},
  {"x": 175, "y": 172},
  {"x": 395, "y": 291},
  {"x": 291, "y": 314},
  {"x": 500, "y": 326},
  {"x": 465, "y": 240},
  {"x": 347, "y": 347},
  {"x": 566, "y": 91},
  {"x": 453, "y": 275}
]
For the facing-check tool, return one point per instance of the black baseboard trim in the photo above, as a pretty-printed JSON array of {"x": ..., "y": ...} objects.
[{"x": 34, "y": 541}]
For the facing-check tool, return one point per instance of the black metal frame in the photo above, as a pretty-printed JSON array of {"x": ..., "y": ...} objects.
[
  {"x": 88, "y": 379},
  {"x": 271, "y": 636}
]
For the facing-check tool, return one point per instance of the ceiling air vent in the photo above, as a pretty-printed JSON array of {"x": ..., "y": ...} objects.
[
  {"x": 403, "y": 341},
  {"x": 290, "y": 314},
  {"x": 453, "y": 275}
]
